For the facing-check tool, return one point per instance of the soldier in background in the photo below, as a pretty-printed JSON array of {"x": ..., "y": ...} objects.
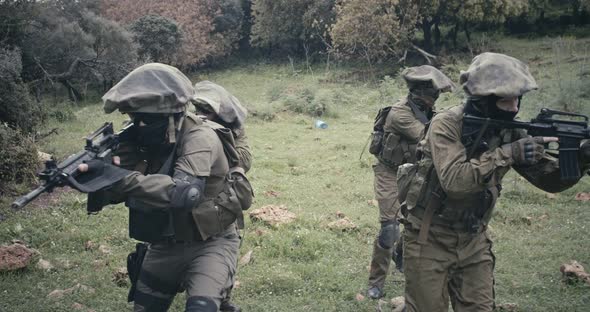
[
  {"x": 402, "y": 128},
  {"x": 447, "y": 249},
  {"x": 217, "y": 104},
  {"x": 177, "y": 174}
]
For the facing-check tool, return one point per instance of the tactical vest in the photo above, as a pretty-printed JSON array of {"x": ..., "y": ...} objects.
[
  {"x": 214, "y": 213},
  {"x": 394, "y": 149},
  {"x": 424, "y": 192}
]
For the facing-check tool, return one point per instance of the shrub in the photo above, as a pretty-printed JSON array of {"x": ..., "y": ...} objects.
[
  {"x": 17, "y": 109},
  {"x": 18, "y": 158}
]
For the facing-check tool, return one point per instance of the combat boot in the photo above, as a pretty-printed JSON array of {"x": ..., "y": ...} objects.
[
  {"x": 378, "y": 270},
  {"x": 228, "y": 306},
  {"x": 375, "y": 292}
]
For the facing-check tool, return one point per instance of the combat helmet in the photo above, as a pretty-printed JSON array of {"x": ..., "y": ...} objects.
[
  {"x": 422, "y": 75},
  {"x": 497, "y": 74},
  {"x": 211, "y": 96},
  {"x": 150, "y": 88}
]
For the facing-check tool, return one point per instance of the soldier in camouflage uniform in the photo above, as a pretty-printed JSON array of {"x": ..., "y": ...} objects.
[
  {"x": 177, "y": 173},
  {"x": 403, "y": 129},
  {"x": 447, "y": 250},
  {"x": 218, "y": 105}
]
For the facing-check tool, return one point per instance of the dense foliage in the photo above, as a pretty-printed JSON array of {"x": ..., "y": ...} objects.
[
  {"x": 157, "y": 36},
  {"x": 79, "y": 48}
]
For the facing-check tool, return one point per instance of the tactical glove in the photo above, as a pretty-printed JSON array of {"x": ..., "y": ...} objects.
[
  {"x": 526, "y": 151},
  {"x": 98, "y": 176}
]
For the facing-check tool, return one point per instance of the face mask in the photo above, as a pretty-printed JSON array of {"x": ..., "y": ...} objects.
[
  {"x": 486, "y": 107},
  {"x": 151, "y": 132},
  {"x": 424, "y": 95}
]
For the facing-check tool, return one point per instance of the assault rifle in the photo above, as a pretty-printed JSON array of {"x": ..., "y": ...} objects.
[
  {"x": 569, "y": 132},
  {"x": 99, "y": 145}
]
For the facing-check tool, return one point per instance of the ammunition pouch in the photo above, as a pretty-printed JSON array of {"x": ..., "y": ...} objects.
[
  {"x": 213, "y": 216},
  {"x": 405, "y": 176},
  {"x": 416, "y": 180},
  {"x": 476, "y": 218},
  {"x": 396, "y": 150},
  {"x": 377, "y": 135},
  {"x": 149, "y": 225},
  {"x": 376, "y": 143},
  {"x": 134, "y": 262}
]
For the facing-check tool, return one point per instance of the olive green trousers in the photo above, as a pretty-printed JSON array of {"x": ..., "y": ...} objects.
[
  {"x": 202, "y": 268},
  {"x": 385, "y": 186},
  {"x": 450, "y": 266}
]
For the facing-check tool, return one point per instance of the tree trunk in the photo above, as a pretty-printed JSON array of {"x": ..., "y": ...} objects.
[
  {"x": 436, "y": 36},
  {"x": 467, "y": 33},
  {"x": 73, "y": 94},
  {"x": 576, "y": 12},
  {"x": 454, "y": 34},
  {"x": 426, "y": 29}
]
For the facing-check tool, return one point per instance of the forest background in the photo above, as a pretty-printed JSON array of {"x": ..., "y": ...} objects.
[{"x": 290, "y": 62}]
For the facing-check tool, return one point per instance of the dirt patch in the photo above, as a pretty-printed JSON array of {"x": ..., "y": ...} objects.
[
  {"x": 15, "y": 257},
  {"x": 121, "y": 277},
  {"x": 78, "y": 288},
  {"x": 574, "y": 272},
  {"x": 273, "y": 215},
  {"x": 343, "y": 224}
]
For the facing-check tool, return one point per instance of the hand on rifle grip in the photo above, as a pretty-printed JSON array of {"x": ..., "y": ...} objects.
[{"x": 93, "y": 165}]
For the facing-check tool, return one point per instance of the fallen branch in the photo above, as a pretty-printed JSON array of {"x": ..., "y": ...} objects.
[
  {"x": 425, "y": 54},
  {"x": 44, "y": 135}
]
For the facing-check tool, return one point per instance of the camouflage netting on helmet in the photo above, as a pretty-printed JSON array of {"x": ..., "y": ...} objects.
[
  {"x": 225, "y": 105},
  {"x": 150, "y": 88},
  {"x": 427, "y": 73},
  {"x": 497, "y": 74}
]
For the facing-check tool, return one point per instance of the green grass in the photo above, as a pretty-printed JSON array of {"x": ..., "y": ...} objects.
[{"x": 304, "y": 266}]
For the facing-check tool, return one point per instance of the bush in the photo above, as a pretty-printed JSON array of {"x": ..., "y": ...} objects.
[
  {"x": 17, "y": 109},
  {"x": 18, "y": 158}
]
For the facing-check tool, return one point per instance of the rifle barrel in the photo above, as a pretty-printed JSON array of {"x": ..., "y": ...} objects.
[{"x": 27, "y": 198}]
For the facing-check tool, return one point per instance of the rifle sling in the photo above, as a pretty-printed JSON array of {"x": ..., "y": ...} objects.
[
  {"x": 480, "y": 134},
  {"x": 435, "y": 200},
  {"x": 418, "y": 113}
]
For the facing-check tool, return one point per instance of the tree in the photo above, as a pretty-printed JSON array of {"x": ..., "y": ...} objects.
[
  {"x": 294, "y": 26},
  {"x": 69, "y": 45},
  {"x": 463, "y": 15},
  {"x": 372, "y": 28},
  {"x": 158, "y": 37},
  {"x": 202, "y": 36}
]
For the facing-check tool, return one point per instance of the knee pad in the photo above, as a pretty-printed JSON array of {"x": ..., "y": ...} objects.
[
  {"x": 388, "y": 234},
  {"x": 200, "y": 304}
]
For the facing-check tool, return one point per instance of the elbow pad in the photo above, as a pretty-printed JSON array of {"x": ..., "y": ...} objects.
[{"x": 187, "y": 192}]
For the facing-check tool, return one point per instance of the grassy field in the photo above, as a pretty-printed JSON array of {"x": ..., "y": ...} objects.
[{"x": 304, "y": 266}]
